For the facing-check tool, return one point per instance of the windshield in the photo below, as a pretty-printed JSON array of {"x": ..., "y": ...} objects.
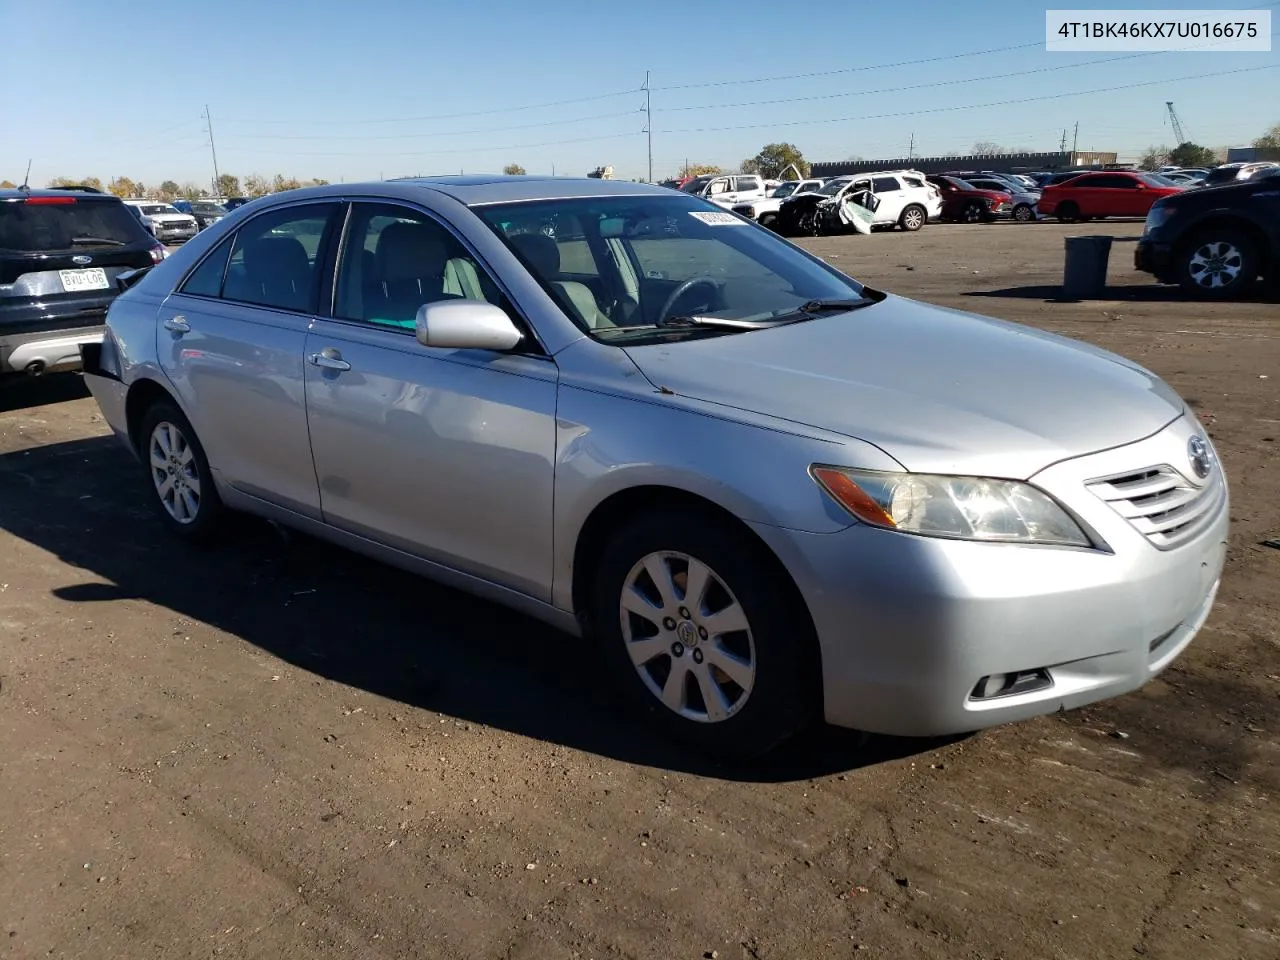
[
  {"x": 832, "y": 187},
  {"x": 697, "y": 184},
  {"x": 619, "y": 265},
  {"x": 151, "y": 209},
  {"x": 1156, "y": 180},
  {"x": 786, "y": 189}
]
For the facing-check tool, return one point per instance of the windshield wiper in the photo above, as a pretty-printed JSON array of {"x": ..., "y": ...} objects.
[
  {"x": 723, "y": 322},
  {"x": 825, "y": 306},
  {"x": 107, "y": 240}
]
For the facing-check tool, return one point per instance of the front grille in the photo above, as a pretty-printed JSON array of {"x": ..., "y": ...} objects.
[{"x": 1162, "y": 504}]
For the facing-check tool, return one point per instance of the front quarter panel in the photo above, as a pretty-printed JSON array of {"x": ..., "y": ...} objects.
[{"x": 616, "y": 431}]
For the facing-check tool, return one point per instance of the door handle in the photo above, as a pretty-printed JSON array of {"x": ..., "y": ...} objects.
[
  {"x": 177, "y": 324},
  {"x": 329, "y": 359}
]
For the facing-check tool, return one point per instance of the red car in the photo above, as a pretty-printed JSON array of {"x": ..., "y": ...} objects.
[
  {"x": 1114, "y": 193},
  {"x": 963, "y": 201}
]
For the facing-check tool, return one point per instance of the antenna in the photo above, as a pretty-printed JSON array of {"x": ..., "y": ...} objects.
[
  {"x": 27, "y": 179},
  {"x": 212, "y": 150}
]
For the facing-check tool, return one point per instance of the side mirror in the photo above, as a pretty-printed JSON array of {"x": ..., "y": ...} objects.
[{"x": 465, "y": 325}]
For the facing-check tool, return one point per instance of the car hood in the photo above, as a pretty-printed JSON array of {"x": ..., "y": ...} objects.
[
  {"x": 170, "y": 217},
  {"x": 941, "y": 391}
]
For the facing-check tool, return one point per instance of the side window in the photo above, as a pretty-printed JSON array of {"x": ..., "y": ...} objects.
[
  {"x": 395, "y": 259},
  {"x": 914, "y": 182},
  {"x": 718, "y": 187},
  {"x": 1091, "y": 182},
  {"x": 748, "y": 183},
  {"x": 206, "y": 279},
  {"x": 858, "y": 186},
  {"x": 275, "y": 261},
  {"x": 1122, "y": 183},
  {"x": 885, "y": 184}
]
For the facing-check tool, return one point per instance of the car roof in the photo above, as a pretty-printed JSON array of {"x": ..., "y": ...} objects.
[
  {"x": 476, "y": 189},
  {"x": 21, "y": 193}
]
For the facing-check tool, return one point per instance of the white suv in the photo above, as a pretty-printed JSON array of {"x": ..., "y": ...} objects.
[
  {"x": 905, "y": 198},
  {"x": 727, "y": 189}
]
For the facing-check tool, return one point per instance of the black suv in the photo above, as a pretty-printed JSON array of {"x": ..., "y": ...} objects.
[
  {"x": 60, "y": 253},
  {"x": 1214, "y": 241}
]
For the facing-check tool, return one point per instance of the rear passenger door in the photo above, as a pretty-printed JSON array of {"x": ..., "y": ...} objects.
[
  {"x": 231, "y": 341},
  {"x": 443, "y": 454},
  {"x": 892, "y": 197}
]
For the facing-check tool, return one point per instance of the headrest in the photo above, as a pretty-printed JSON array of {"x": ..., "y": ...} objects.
[
  {"x": 410, "y": 251},
  {"x": 540, "y": 252}
]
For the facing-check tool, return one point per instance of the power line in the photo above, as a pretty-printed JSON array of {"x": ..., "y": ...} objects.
[
  {"x": 448, "y": 133},
  {"x": 970, "y": 106},
  {"x": 445, "y": 116},
  {"x": 455, "y": 150}
]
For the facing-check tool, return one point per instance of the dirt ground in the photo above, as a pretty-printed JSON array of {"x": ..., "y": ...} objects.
[{"x": 276, "y": 749}]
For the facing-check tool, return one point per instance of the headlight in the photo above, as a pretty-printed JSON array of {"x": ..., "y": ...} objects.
[
  {"x": 1157, "y": 217},
  {"x": 959, "y": 508}
]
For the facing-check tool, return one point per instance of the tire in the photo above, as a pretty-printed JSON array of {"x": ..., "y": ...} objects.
[
  {"x": 973, "y": 213},
  {"x": 769, "y": 221},
  {"x": 169, "y": 448},
  {"x": 1068, "y": 211},
  {"x": 1024, "y": 213},
  {"x": 807, "y": 224},
  {"x": 913, "y": 218},
  {"x": 1218, "y": 254},
  {"x": 774, "y": 692}
]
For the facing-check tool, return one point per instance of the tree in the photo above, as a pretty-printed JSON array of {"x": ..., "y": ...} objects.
[
  {"x": 1192, "y": 155},
  {"x": 318, "y": 182},
  {"x": 1154, "y": 158},
  {"x": 987, "y": 148},
  {"x": 122, "y": 187},
  {"x": 228, "y": 185},
  {"x": 168, "y": 190},
  {"x": 700, "y": 169},
  {"x": 190, "y": 191},
  {"x": 1269, "y": 140},
  {"x": 256, "y": 186},
  {"x": 774, "y": 158},
  {"x": 7, "y": 184},
  {"x": 282, "y": 182},
  {"x": 513, "y": 170}
]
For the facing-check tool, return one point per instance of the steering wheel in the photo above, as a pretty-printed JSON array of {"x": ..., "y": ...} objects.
[{"x": 684, "y": 288}]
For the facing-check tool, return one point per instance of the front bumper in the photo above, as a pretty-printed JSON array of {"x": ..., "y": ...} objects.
[
  {"x": 910, "y": 628},
  {"x": 1154, "y": 258}
]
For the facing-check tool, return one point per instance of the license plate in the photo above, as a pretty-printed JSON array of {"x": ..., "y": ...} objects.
[{"x": 95, "y": 278}]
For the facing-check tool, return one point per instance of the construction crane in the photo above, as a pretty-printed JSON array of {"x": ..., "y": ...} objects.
[{"x": 1179, "y": 135}]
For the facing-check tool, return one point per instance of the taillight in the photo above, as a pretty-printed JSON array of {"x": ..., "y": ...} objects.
[
  {"x": 157, "y": 253},
  {"x": 49, "y": 200}
]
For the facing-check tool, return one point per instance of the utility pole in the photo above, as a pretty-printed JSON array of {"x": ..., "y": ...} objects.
[
  {"x": 911, "y": 149},
  {"x": 212, "y": 149},
  {"x": 648, "y": 125},
  {"x": 1062, "y": 147},
  {"x": 1075, "y": 140}
]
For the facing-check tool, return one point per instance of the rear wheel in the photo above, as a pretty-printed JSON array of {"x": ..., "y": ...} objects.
[
  {"x": 769, "y": 220},
  {"x": 181, "y": 481},
  {"x": 807, "y": 223},
  {"x": 704, "y": 630},
  {"x": 1069, "y": 211},
  {"x": 1218, "y": 263},
  {"x": 913, "y": 218}
]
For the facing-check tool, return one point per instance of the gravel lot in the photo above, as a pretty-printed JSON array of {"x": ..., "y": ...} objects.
[{"x": 276, "y": 749}]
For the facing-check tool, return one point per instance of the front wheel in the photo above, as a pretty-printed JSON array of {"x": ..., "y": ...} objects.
[
  {"x": 1024, "y": 213},
  {"x": 768, "y": 221},
  {"x": 181, "y": 481},
  {"x": 973, "y": 213},
  {"x": 701, "y": 626},
  {"x": 1218, "y": 264},
  {"x": 913, "y": 218}
]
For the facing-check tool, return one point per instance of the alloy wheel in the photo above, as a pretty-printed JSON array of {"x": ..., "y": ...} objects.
[
  {"x": 1215, "y": 264},
  {"x": 174, "y": 473},
  {"x": 687, "y": 636}
]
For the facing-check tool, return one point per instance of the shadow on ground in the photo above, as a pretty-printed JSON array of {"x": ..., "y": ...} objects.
[
  {"x": 355, "y": 621},
  {"x": 18, "y": 392},
  {"x": 1135, "y": 292}
]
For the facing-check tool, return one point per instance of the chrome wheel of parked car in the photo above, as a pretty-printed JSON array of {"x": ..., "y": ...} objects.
[
  {"x": 972, "y": 213},
  {"x": 173, "y": 472},
  {"x": 1218, "y": 263},
  {"x": 688, "y": 636},
  {"x": 180, "y": 476},
  {"x": 1024, "y": 213}
]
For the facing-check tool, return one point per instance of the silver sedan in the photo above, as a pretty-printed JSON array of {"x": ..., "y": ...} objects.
[{"x": 767, "y": 492}]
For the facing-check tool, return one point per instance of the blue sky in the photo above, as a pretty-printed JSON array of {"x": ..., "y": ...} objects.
[{"x": 355, "y": 90}]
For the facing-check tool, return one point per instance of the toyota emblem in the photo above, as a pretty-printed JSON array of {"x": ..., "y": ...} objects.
[{"x": 1200, "y": 456}]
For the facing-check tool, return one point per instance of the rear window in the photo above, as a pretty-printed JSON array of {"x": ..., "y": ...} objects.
[{"x": 83, "y": 225}]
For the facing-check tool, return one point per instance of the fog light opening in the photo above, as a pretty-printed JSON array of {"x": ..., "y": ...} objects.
[{"x": 1011, "y": 684}]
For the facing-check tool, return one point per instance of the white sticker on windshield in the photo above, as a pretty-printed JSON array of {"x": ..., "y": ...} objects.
[{"x": 718, "y": 219}]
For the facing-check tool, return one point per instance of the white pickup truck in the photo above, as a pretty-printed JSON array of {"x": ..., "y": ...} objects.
[{"x": 764, "y": 211}]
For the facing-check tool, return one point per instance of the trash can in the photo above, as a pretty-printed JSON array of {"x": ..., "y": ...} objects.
[{"x": 1085, "y": 273}]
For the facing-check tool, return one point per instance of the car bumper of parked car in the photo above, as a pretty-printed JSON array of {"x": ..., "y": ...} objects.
[
  {"x": 929, "y": 637},
  {"x": 1154, "y": 258},
  {"x": 47, "y": 351}
]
